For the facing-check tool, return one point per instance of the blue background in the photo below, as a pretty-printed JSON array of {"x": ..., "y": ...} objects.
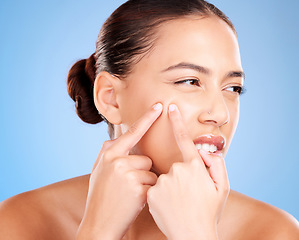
[{"x": 43, "y": 141}]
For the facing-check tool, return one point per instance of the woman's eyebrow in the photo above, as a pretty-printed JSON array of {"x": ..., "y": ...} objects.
[
  {"x": 204, "y": 70},
  {"x": 188, "y": 66},
  {"x": 238, "y": 74}
]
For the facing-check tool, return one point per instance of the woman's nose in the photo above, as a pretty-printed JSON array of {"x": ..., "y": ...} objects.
[{"x": 214, "y": 111}]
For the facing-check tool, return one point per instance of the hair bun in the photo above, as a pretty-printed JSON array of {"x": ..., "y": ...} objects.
[{"x": 80, "y": 83}]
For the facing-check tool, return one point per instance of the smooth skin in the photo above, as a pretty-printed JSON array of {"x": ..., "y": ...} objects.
[
  {"x": 132, "y": 177},
  {"x": 205, "y": 42},
  {"x": 190, "y": 179},
  {"x": 150, "y": 182}
]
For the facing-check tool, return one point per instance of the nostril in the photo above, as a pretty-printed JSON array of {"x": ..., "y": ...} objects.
[{"x": 211, "y": 121}]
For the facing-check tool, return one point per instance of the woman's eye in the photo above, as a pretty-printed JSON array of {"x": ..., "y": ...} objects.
[
  {"x": 237, "y": 89},
  {"x": 194, "y": 82}
]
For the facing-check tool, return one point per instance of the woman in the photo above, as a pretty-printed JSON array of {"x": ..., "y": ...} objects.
[{"x": 171, "y": 101}]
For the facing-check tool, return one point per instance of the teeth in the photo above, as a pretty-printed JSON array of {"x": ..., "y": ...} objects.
[
  {"x": 198, "y": 146},
  {"x": 213, "y": 148},
  {"x": 207, "y": 147}
]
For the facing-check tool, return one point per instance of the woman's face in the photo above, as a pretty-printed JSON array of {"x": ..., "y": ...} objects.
[{"x": 195, "y": 63}]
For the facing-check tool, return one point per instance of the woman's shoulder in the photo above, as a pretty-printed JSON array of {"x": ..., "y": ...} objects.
[
  {"x": 40, "y": 213},
  {"x": 260, "y": 220}
]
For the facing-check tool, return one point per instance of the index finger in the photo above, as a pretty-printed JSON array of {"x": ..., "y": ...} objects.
[
  {"x": 128, "y": 140},
  {"x": 181, "y": 134}
]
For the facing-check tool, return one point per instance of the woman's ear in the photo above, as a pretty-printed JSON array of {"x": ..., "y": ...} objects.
[{"x": 104, "y": 92}]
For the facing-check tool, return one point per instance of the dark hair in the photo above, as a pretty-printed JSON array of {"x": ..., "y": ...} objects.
[{"x": 125, "y": 37}]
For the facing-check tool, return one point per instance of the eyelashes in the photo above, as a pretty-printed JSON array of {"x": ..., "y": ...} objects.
[
  {"x": 192, "y": 82},
  {"x": 237, "y": 89},
  {"x": 195, "y": 82}
]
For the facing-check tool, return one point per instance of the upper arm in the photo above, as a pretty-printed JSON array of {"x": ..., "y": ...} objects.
[
  {"x": 279, "y": 225},
  {"x": 17, "y": 219},
  {"x": 287, "y": 227}
]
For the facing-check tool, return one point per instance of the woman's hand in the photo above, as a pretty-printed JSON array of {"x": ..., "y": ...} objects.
[
  {"x": 118, "y": 184},
  {"x": 187, "y": 202}
]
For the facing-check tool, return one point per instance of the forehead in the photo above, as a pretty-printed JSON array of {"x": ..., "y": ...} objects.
[
  {"x": 207, "y": 41},
  {"x": 199, "y": 30}
]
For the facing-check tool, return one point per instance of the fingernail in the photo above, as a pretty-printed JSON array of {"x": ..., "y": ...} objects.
[
  {"x": 203, "y": 152},
  {"x": 172, "y": 107},
  {"x": 158, "y": 106}
]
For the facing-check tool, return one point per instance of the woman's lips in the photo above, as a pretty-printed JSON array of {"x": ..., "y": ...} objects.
[{"x": 210, "y": 143}]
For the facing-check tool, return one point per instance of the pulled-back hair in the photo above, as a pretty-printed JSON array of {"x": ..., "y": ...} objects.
[{"x": 126, "y": 36}]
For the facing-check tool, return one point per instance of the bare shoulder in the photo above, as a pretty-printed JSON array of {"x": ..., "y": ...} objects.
[
  {"x": 259, "y": 220},
  {"x": 38, "y": 214}
]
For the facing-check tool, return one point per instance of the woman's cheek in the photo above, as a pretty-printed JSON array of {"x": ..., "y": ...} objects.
[{"x": 159, "y": 142}]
